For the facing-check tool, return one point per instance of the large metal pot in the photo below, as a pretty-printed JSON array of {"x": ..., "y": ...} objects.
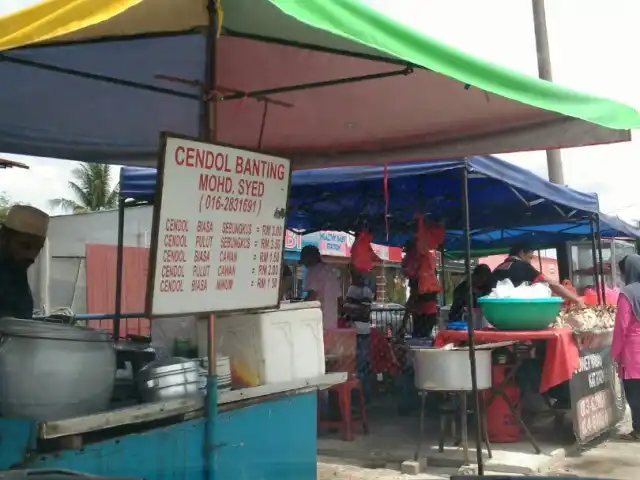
[
  {"x": 51, "y": 371},
  {"x": 449, "y": 370},
  {"x": 169, "y": 378}
]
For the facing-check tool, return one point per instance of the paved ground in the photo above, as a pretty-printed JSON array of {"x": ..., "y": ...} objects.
[
  {"x": 610, "y": 458},
  {"x": 393, "y": 439},
  {"x": 333, "y": 471}
]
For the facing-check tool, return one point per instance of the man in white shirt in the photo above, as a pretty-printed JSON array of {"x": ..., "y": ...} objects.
[{"x": 321, "y": 284}]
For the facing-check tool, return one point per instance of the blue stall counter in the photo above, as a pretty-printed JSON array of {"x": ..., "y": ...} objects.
[{"x": 258, "y": 435}]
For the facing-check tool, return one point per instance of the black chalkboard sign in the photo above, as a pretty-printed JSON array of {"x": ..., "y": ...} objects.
[{"x": 597, "y": 397}]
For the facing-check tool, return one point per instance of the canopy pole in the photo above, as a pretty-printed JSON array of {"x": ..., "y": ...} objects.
[
  {"x": 208, "y": 133},
  {"x": 594, "y": 258},
  {"x": 308, "y": 86},
  {"x": 540, "y": 261},
  {"x": 443, "y": 272},
  {"x": 600, "y": 264},
  {"x": 119, "y": 268},
  {"x": 472, "y": 350}
]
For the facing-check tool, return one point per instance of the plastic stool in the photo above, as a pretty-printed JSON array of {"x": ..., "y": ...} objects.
[{"x": 345, "y": 424}]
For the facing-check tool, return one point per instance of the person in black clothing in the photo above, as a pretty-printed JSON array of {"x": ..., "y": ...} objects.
[
  {"x": 517, "y": 268},
  {"x": 481, "y": 280},
  {"x": 22, "y": 236}
]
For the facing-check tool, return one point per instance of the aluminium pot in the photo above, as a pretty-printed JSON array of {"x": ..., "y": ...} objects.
[
  {"x": 52, "y": 371},
  {"x": 168, "y": 379},
  {"x": 438, "y": 369}
]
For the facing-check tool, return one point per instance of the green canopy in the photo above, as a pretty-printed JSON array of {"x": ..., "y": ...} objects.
[
  {"x": 360, "y": 22},
  {"x": 322, "y": 82}
]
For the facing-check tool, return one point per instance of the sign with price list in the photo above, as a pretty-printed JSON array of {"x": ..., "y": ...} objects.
[
  {"x": 597, "y": 397},
  {"x": 218, "y": 229}
]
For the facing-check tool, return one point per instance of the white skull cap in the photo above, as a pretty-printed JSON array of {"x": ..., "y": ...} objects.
[{"x": 27, "y": 219}]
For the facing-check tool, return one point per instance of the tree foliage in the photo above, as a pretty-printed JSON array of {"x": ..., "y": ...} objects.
[
  {"x": 5, "y": 205},
  {"x": 91, "y": 187}
]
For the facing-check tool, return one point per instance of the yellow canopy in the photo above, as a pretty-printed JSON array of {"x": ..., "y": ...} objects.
[{"x": 50, "y": 19}]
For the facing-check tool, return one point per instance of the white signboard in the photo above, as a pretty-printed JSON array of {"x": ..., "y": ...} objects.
[{"x": 218, "y": 229}]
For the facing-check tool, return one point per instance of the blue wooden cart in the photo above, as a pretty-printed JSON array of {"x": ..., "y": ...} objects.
[{"x": 266, "y": 432}]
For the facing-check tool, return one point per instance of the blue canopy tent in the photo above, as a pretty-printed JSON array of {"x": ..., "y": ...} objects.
[
  {"x": 542, "y": 236},
  {"x": 346, "y": 198}
]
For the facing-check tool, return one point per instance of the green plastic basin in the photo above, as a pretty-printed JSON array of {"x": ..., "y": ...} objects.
[{"x": 520, "y": 314}]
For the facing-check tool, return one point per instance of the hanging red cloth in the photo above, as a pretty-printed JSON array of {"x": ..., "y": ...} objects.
[
  {"x": 428, "y": 238},
  {"x": 362, "y": 255}
]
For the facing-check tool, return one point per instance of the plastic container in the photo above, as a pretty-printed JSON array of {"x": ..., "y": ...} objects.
[
  {"x": 269, "y": 347},
  {"x": 520, "y": 314},
  {"x": 502, "y": 425}
]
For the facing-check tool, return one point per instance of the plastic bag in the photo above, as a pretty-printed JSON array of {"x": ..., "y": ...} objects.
[
  {"x": 410, "y": 262},
  {"x": 505, "y": 289},
  {"x": 610, "y": 296},
  {"x": 362, "y": 254},
  {"x": 427, "y": 237}
]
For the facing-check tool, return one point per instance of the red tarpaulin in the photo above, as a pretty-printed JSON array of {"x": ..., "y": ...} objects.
[{"x": 101, "y": 286}]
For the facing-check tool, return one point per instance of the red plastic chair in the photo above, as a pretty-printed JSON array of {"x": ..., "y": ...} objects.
[{"x": 345, "y": 424}]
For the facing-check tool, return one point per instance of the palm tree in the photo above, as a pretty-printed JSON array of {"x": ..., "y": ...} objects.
[
  {"x": 5, "y": 205},
  {"x": 91, "y": 187}
]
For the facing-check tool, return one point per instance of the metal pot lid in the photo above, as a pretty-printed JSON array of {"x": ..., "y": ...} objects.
[
  {"x": 167, "y": 365},
  {"x": 20, "y": 327}
]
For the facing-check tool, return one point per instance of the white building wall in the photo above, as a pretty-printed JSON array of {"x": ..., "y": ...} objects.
[{"x": 68, "y": 236}]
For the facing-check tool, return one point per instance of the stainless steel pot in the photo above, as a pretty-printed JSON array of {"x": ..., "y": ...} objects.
[
  {"x": 52, "y": 371},
  {"x": 169, "y": 378},
  {"x": 438, "y": 369}
]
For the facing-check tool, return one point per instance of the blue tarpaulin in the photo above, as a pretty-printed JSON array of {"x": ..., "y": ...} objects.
[
  {"x": 508, "y": 204},
  {"x": 541, "y": 236},
  {"x": 76, "y": 117},
  {"x": 500, "y": 195}
]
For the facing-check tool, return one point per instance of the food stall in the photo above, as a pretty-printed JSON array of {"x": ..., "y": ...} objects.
[
  {"x": 267, "y": 378},
  {"x": 137, "y": 68},
  {"x": 540, "y": 203}
]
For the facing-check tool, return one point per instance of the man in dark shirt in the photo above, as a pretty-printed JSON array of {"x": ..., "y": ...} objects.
[
  {"x": 517, "y": 268},
  {"x": 22, "y": 236},
  {"x": 481, "y": 282}
]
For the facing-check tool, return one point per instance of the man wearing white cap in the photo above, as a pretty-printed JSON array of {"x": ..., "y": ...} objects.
[{"x": 22, "y": 236}]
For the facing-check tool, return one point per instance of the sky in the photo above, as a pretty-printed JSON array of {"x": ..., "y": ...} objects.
[{"x": 592, "y": 47}]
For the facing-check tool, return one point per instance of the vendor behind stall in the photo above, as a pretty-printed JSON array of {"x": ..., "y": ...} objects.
[
  {"x": 423, "y": 307},
  {"x": 517, "y": 268},
  {"x": 22, "y": 236},
  {"x": 357, "y": 311},
  {"x": 481, "y": 283},
  {"x": 321, "y": 284}
]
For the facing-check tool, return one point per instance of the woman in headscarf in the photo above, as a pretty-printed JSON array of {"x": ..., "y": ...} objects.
[{"x": 625, "y": 347}]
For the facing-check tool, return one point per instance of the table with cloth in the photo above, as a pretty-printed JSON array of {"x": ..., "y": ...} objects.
[{"x": 561, "y": 359}]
